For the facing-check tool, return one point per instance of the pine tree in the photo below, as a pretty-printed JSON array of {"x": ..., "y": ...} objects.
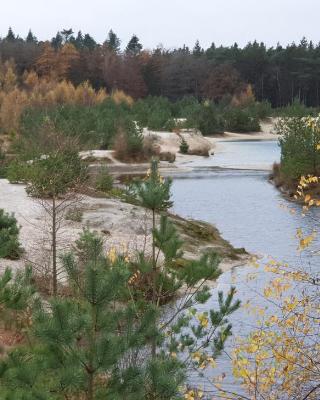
[
  {"x": 10, "y": 36},
  {"x": 16, "y": 296},
  {"x": 66, "y": 35},
  {"x": 51, "y": 179},
  {"x": 89, "y": 42},
  {"x": 90, "y": 345},
  {"x": 57, "y": 41},
  {"x": 197, "y": 50},
  {"x": 9, "y": 236},
  {"x": 94, "y": 343},
  {"x": 134, "y": 46},
  {"x": 79, "y": 41},
  {"x": 113, "y": 42},
  {"x": 31, "y": 38},
  {"x": 184, "y": 147},
  {"x": 164, "y": 280}
]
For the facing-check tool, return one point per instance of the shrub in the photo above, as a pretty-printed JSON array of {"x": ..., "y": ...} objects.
[
  {"x": 184, "y": 147},
  {"x": 296, "y": 109},
  {"x": 17, "y": 172},
  {"x": 260, "y": 110},
  {"x": 9, "y": 236},
  {"x": 207, "y": 118},
  {"x": 94, "y": 126},
  {"x": 298, "y": 141},
  {"x": 56, "y": 174},
  {"x": 238, "y": 120},
  {"x": 128, "y": 143},
  {"x": 185, "y": 107},
  {"x": 104, "y": 181},
  {"x": 153, "y": 113}
]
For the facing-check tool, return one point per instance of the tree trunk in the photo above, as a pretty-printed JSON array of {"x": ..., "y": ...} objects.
[
  {"x": 90, "y": 387},
  {"x": 54, "y": 247},
  {"x": 279, "y": 90},
  {"x": 154, "y": 278}
]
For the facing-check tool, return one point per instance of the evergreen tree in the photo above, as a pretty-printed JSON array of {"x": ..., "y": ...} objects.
[
  {"x": 184, "y": 147},
  {"x": 164, "y": 280},
  {"x": 94, "y": 343},
  {"x": 16, "y": 296},
  {"x": 31, "y": 38},
  {"x": 57, "y": 41},
  {"x": 9, "y": 236},
  {"x": 51, "y": 178},
  {"x": 89, "y": 42},
  {"x": 10, "y": 36},
  {"x": 134, "y": 46},
  {"x": 79, "y": 40},
  {"x": 197, "y": 50},
  {"x": 66, "y": 34},
  {"x": 113, "y": 42},
  {"x": 90, "y": 344}
]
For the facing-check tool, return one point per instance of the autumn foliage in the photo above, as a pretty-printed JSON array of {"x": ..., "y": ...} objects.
[{"x": 43, "y": 90}]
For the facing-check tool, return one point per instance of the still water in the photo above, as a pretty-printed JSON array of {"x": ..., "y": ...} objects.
[{"x": 249, "y": 212}]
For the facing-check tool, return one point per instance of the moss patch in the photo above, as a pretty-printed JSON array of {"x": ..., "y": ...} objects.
[{"x": 200, "y": 237}]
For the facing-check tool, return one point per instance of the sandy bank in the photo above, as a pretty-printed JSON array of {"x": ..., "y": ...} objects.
[
  {"x": 169, "y": 142},
  {"x": 125, "y": 227}
]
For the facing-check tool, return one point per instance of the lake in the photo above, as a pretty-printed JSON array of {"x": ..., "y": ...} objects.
[{"x": 249, "y": 212}]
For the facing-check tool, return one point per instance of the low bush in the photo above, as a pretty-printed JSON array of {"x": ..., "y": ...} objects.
[
  {"x": 153, "y": 113},
  {"x": 184, "y": 147},
  {"x": 299, "y": 138},
  {"x": 9, "y": 236},
  {"x": 241, "y": 120},
  {"x": 128, "y": 145},
  {"x": 17, "y": 172},
  {"x": 260, "y": 110},
  {"x": 94, "y": 126},
  {"x": 207, "y": 117},
  {"x": 104, "y": 181},
  {"x": 296, "y": 109}
]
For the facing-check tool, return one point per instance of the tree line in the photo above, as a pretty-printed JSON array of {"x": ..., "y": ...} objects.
[{"x": 277, "y": 74}]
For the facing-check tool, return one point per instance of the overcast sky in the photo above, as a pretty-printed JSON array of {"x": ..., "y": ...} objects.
[{"x": 168, "y": 22}]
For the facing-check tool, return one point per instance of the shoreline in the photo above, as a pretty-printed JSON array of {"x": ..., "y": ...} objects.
[
  {"x": 124, "y": 227},
  {"x": 122, "y": 224},
  {"x": 183, "y": 162}
]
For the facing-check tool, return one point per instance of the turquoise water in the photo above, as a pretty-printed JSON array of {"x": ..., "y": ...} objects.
[{"x": 250, "y": 213}]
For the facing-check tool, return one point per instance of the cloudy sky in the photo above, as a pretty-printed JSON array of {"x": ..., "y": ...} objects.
[{"x": 168, "y": 22}]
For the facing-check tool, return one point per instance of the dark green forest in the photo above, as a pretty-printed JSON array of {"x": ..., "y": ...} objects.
[{"x": 278, "y": 74}]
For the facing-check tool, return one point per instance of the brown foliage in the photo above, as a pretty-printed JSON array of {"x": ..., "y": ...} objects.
[
  {"x": 123, "y": 152},
  {"x": 39, "y": 91},
  {"x": 118, "y": 74},
  {"x": 244, "y": 98},
  {"x": 223, "y": 80},
  {"x": 56, "y": 64},
  {"x": 119, "y": 96}
]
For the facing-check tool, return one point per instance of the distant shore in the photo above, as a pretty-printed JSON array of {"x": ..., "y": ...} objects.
[{"x": 170, "y": 143}]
